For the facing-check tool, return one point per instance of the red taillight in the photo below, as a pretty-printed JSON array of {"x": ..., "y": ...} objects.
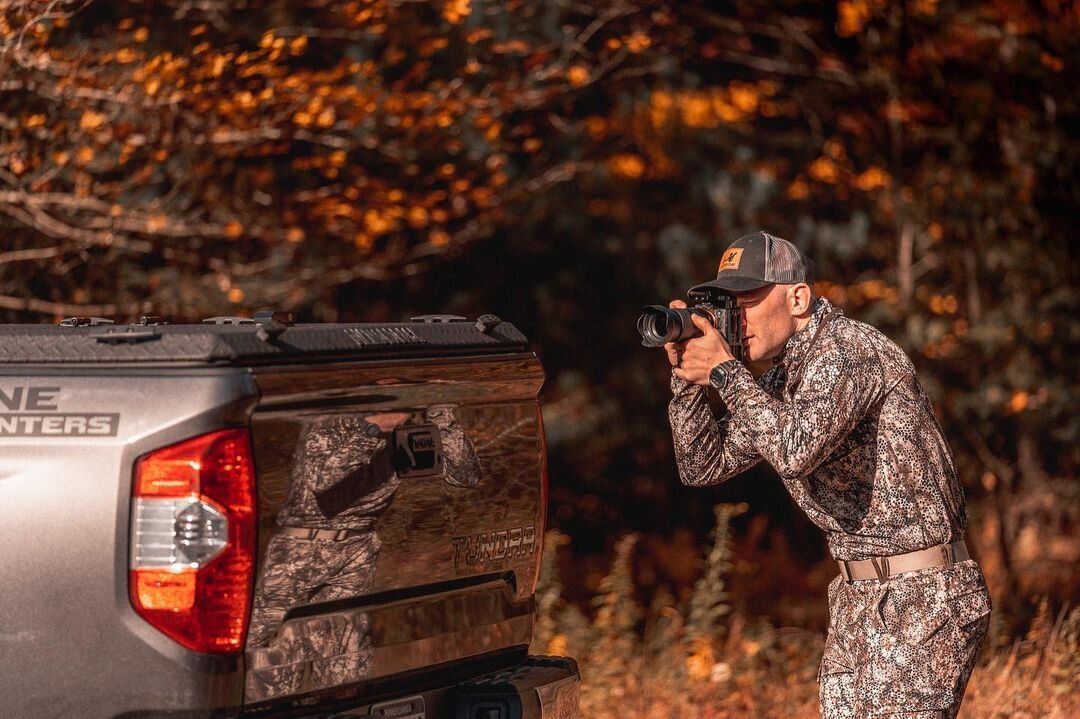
[{"x": 193, "y": 540}]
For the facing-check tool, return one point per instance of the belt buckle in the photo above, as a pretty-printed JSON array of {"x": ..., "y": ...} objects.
[
  {"x": 881, "y": 567},
  {"x": 948, "y": 553}
]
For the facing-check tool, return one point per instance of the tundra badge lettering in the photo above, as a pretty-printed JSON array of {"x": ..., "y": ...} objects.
[
  {"x": 32, "y": 411},
  {"x": 492, "y": 546}
]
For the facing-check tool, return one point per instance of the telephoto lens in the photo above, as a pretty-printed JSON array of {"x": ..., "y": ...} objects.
[{"x": 659, "y": 325}]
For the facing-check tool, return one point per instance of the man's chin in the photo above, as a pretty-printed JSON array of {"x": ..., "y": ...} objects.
[
  {"x": 755, "y": 352},
  {"x": 759, "y": 361}
]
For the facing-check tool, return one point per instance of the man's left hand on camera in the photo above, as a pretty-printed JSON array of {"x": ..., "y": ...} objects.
[{"x": 702, "y": 354}]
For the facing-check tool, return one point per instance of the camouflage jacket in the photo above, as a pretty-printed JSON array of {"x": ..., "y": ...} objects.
[{"x": 842, "y": 418}]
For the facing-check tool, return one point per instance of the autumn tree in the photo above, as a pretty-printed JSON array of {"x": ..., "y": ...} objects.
[{"x": 566, "y": 163}]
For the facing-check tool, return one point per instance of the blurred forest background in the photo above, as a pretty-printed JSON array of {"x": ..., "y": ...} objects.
[{"x": 562, "y": 164}]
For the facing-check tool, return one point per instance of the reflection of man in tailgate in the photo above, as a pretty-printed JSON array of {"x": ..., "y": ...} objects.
[{"x": 343, "y": 480}]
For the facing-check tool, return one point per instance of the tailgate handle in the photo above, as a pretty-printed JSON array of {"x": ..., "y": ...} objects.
[{"x": 418, "y": 451}]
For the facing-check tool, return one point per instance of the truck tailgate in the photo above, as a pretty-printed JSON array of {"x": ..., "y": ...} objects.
[{"x": 400, "y": 518}]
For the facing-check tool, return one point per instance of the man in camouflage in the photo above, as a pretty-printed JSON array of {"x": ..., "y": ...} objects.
[{"x": 842, "y": 418}]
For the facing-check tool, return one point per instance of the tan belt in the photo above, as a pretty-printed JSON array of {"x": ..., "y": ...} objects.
[
  {"x": 881, "y": 568},
  {"x": 333, "y": 535}
]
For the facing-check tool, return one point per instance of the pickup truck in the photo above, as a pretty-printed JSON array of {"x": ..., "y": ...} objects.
[{"x": 249, "y": 517}]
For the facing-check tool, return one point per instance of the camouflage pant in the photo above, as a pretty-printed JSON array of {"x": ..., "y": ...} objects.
[
  {"x": 904, "y": 646},
  {"x": 319, "y": 651}
]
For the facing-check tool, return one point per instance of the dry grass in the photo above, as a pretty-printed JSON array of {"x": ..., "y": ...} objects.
[{"x": 703, "y": 661}]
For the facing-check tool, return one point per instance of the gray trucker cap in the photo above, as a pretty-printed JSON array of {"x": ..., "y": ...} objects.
[{"x": 757, "y": 260}]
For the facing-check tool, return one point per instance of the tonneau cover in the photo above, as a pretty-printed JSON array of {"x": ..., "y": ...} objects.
[{"x": 249, "y": 342}]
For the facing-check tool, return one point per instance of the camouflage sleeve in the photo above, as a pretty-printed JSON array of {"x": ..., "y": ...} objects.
[
  {"x": 707, "y": 451},
  {"x": 336, "y": 447},
  {"x": 839, "y": 387},
  {"x": 461, "y": 465}
]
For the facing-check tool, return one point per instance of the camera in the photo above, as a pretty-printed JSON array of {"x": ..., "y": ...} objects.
[{"x": 658, "y": 324}]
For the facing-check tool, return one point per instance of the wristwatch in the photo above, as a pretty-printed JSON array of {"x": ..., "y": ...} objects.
[{"x": 720, "y": 375}]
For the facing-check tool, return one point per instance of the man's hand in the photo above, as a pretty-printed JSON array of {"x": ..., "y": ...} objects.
[
  {"x": 675, "y": 349},
  {"x": 701, "y": 354},
  {"x": 388, "y": 421}
]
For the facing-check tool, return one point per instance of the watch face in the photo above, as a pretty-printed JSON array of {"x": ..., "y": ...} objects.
[{"x": 718, "y": 377}]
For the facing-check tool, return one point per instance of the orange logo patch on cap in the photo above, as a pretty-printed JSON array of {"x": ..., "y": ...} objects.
[{"x": 731, "y": 259}]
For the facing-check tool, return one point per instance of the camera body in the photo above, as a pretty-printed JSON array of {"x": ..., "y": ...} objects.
[{"x": 659, "y": 325}]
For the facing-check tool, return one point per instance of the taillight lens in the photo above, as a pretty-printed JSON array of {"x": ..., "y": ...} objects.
[{"x": 193, "y": 540}]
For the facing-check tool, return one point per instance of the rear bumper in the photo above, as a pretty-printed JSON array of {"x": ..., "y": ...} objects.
[{"x": 536, "y": 687}]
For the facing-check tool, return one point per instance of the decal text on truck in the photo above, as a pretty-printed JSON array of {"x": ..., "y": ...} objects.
[{"x": 32, "y": 411}]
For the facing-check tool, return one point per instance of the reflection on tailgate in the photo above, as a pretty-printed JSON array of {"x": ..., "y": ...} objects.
[
  {"x": 395, "y": 533},
  {"x": 384, "y": 639}
]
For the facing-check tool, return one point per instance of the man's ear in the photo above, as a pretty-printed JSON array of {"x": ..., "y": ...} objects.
[{"x": 800, "y": 298}]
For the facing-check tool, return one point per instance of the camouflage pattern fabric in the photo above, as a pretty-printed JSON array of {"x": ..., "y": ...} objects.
[
  {"x": 343, "y": 475},
  {"x": 904, "y": 645},
  {"x": 461, "y": 466},
  {"x": 855, "y": 441},
  {"x": 343, "y": 478},
  {"x": 316, "y": 652},
  {"x": 843, "y": 419}
]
